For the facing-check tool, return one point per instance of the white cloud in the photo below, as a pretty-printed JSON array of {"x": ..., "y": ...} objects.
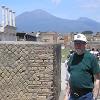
[
  {"x": 90, "y": 4},
  {"x": 56, "y": 2}
]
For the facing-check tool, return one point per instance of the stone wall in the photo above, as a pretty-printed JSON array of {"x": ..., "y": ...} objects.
[
  {"x": 29, "y": 71},
  {"x": 94, "y": 44},
  {"x": 7, "y": 37}
]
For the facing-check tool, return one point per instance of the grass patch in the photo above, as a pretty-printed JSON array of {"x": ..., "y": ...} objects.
[{"x": 64, "y": 54}]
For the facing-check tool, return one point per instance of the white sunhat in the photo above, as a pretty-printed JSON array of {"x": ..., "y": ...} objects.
[{"x": 80, "y": 37}]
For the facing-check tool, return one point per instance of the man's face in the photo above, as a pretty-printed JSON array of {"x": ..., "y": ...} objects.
[{"x": 79, "y": 47}]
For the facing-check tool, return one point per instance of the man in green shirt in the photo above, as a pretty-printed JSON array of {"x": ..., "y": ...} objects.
[{"x": 84, "y": 72}]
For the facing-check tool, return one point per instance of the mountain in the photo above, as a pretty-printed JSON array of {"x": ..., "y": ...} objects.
[{"x": 40, "y": 20}]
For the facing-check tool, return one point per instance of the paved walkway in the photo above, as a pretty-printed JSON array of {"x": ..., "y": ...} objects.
[
  {"x": 63, "y": 76},
  {"x": 62, "y": 94}
]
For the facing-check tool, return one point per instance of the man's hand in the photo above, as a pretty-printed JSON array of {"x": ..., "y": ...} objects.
[
  {"x": 96, "y": 88},
  {"x": 67, "y": 89}
]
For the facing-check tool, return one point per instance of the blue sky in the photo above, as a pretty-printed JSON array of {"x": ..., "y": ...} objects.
[{"x": 68, "y": 9}]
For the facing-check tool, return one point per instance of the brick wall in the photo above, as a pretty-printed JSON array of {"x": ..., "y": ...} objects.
[{"x": 29, "y": 71}]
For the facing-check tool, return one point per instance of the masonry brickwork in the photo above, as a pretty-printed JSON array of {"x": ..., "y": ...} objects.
[{"x": 30, "y": 71}]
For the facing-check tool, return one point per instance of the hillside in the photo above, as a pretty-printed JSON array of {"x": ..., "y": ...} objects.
[{"x": 40, "y": 20}]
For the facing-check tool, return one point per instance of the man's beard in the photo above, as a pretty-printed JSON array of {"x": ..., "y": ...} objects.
[{"x": 80, "y": 51}]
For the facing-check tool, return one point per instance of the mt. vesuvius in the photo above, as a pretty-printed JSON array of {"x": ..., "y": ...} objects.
[{"x": 40, "y": 20}]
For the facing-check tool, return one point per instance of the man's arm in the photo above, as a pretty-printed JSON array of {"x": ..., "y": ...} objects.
[
  {"x": 67, "y": 91},
  {"x": 96, "y": 85},
  {"x": 97, "y": 76}
]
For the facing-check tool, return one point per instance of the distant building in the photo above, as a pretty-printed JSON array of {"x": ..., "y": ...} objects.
[
  {"x": 48, "y": 37},
  {"x": 60, "y": 39},
  {"x": 26, "y": 36},
  {"x": 29, "y": 37},
  {"x": 20, "y": 36}
]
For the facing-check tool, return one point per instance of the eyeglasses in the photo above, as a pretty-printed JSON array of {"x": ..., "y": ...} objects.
[{"x": 79, "y": 42}]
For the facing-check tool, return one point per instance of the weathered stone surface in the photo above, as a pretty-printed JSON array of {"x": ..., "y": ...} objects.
[{"x": 29, "y": 71}]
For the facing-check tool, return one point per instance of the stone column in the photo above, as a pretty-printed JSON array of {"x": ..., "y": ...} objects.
[
  {"x": 13, "y": 17},
  {"x": 7, "y": 13},
  {"x": 10, "y": 17},
  {"x": 3, "y": 16}
]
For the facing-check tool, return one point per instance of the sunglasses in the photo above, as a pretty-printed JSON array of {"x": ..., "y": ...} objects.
[{"x": 79, "y": 42}]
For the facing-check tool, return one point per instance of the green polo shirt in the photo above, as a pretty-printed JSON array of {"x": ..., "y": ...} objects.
[{"x": 82, "y": 69}]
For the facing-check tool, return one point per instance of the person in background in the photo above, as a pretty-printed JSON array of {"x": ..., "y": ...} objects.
[
  {"x": 84, "y": 72},
  {"x": 95, "y": 53},
  {"x": 92, "y": 51}
]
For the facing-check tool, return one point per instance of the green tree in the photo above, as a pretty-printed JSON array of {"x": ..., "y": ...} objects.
[{"x": 87, "y": 32}]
